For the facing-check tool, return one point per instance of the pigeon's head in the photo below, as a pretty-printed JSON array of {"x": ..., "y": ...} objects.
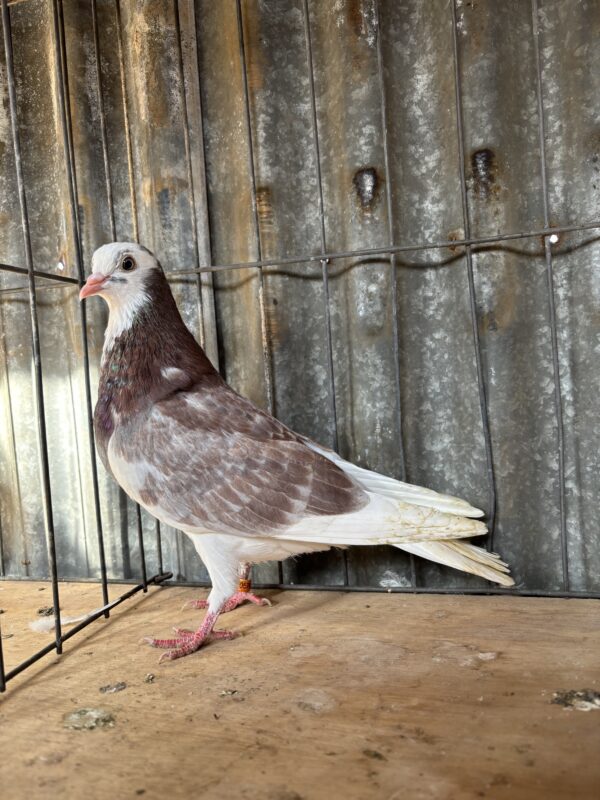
[{"x": 121, "y": 273}]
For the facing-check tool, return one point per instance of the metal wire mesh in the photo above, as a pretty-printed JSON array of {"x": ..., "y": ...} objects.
[{"x": 466, "y": 245}]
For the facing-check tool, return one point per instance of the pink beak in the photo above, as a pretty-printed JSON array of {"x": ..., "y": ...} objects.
[{"x": 93, "y": 285}]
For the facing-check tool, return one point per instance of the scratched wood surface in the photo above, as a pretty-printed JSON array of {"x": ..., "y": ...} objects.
[{"x": 324, "y": 696}]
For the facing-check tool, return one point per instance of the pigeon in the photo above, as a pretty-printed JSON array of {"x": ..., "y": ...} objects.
[{"x": 243, "y": 486}]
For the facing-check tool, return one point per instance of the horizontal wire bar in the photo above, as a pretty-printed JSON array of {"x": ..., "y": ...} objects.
[
  {"x": 39, "y": 274},
  {"x": 156, "y": 580},
  {"x": 318, "y": 257},
  {"x": 404, "y": 590},
  {"x": 376, "y": 251},
  {"x": 317, "y": 587},
  {"x": 39, "y": 288}
]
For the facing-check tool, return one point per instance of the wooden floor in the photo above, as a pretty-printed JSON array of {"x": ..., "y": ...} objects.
[{"x": 324, "y": 696}]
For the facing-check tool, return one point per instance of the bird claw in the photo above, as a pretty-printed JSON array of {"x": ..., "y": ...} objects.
[
  {"x": 165, "y": 644},
  {"x": 225, "y": 634},
  {"x": 183, "y": 633},
  {"x": 185, "y": 642},
  {"x": 170, "y": 655},
  {"x": 234, "y": 601},
  {"x": 194, "y": 604},
  {"x": 186, "y": 633},
  {"x": 189, "y": 645},
  {"x": 244, "y": 597}
]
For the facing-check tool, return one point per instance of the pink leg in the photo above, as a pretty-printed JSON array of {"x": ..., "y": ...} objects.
[
  {"x": 243, "y": 594},
  {"x": 189, "y": 641},
  {"x": 234, "y": 601},
  {"x": 186, "y": 633},
  {"x": 245, "y": 597}
]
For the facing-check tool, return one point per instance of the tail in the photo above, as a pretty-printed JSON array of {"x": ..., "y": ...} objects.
[
  {"x": 463, "y": 556},
  {"x": 436, "y": 538}
]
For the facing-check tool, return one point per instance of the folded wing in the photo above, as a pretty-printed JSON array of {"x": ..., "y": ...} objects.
[{"x": 209, "y": 461}]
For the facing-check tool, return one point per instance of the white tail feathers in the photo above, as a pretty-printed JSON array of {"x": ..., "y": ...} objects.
[
  {"x": 384, "y": 520},
  {"x": 432, "y": 537},
  {"x": 385, "y": 486},
  {"x": 465, "y": 557}
]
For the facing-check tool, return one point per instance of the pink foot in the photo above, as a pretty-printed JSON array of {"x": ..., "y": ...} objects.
[
  {"x": 244, "y": 597},
  {"x": 187, "y": 641},
  {"x": 186, "y": 633},
  {"x": 234, "y": 601},
  {"x": 194, "y": 604}
]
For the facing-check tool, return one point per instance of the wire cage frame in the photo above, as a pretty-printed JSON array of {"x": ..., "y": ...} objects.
[{"x": 465, "y": 245}]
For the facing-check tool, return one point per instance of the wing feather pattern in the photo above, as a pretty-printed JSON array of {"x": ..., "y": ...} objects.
[
  {"x": 390, "y": 487},
  {"x": 207, "y": 460}
]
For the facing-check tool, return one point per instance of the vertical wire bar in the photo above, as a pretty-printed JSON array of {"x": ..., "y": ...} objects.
[
  {"x": 483, "y": 403},
  {"x": 190, "y": 175},
  {"x": 60, "y": 65},
  {"x": 159, "y": 547},
  {"x": 393, "y": 276},
  {"x": 551, "y": 303},
  {"x": 107, "y": 170},
  {"x": 192, "y": 204},
  {"x": 2, "y": 564},
  {"x": 62, "y": 75},
  {"x": 2, "y": 671},
  {"x": 158, "y": 533},
  {"x": 136, "y": 238},
  {"x": 323, "y": 233},
  {"x": 101, "y": 112},
  {"x": 35, "y": 332},
  {"x": 138, "y": 512},
  {"x": 134, "y": 209},
  {"x": 266, "y": 344}
]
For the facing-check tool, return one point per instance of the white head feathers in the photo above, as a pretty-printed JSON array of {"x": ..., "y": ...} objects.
[{"x": 120, "y": 272}]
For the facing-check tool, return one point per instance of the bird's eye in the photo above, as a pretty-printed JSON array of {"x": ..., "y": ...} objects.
[{"x": 128, "y": 264}]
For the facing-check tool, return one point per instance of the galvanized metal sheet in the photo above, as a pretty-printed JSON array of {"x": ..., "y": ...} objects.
[{"x": 224, "y": 126}]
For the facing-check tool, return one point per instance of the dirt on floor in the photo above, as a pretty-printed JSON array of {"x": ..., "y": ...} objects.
[{"x": 323, "y": 696}]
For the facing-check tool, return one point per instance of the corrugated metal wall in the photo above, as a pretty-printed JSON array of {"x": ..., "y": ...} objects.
[{"x": 275, "y": 130}]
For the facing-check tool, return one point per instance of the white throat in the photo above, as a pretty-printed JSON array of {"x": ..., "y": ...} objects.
[{"x": 121, "y": 316}]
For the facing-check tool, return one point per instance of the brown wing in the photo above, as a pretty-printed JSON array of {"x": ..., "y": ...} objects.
[{"x": 209, "y": 459}]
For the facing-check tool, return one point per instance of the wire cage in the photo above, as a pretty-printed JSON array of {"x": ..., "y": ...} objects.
[{"x": 371, "y": 215}]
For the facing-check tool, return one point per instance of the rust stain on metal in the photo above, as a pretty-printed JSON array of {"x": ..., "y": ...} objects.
[
  {"x": 555, "y": 239},
  {"x": 595, "y": 160},
  {"x": 367, "y": 184},
  {"x": 254, "y": 47},
  {"x": 484, "y": 171},
  {"x": 503, "y": 315},
  {"x": 160, "y": 188},
  {"x": 362, "y": 19},
  {"x": 456, "y": 236},
  {"x": 147, "y": 44},
  {"x": 264, "y": 208},
  {"x": 266, "y": 226}
]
